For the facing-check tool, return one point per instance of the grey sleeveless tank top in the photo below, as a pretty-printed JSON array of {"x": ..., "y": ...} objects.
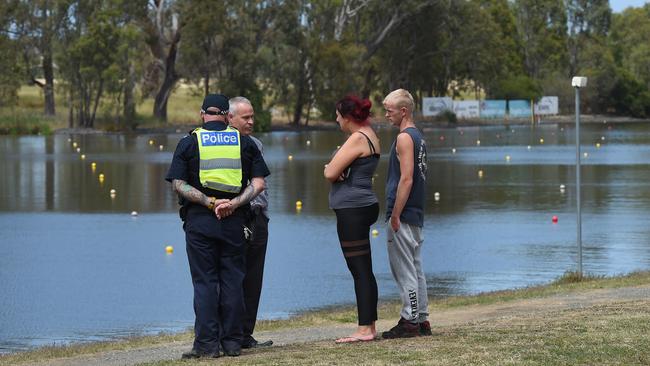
[{"x": 356, "y": 189}]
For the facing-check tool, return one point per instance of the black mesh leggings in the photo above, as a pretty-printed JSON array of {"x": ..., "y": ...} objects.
[{"x": 353, "y": 227}]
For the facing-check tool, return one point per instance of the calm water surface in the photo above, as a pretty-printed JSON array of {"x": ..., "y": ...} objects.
[{"x": 76, "y": 266}]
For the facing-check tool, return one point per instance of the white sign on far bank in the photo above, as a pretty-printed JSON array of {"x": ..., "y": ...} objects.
[
  {"x": 467, "y": 109},
  {"x": 547, "y": 105},
  {"x": 435, "y": 106}
]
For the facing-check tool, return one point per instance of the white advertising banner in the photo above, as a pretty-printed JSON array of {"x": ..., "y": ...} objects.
[
  {"x": 547, "y": 105},
  {"x": 435, "y": 106},
  {"x": 467, "y": 108}
]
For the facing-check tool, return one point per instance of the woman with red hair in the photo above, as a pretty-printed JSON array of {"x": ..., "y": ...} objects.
[{"x": 351, "y": 171}]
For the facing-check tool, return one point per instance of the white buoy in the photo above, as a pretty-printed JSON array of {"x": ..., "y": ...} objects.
[
  {"x": 113, "y": 191},
  {"x": 541, "y": 141},
  {"x": 160, "y": 147},
  {"x": 308, "y": 142},
  {"x": 290, "y": 157},
  {"x": 528, "y": 147},
  {"x": 602, "y": 138},
  {"x": 134, "y": 213},
  {"x": 453, "y": 150},
  {"x": 562, "y": 186},
  {"x": 436, "y": 196},
  {"x": 478, "y": 142},
  {"x": 78, "y": 149},
  {"x": 508, "y": 158},
  {"x": 585, "y": 154}
]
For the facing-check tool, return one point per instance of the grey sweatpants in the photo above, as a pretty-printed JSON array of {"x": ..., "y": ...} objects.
[{"x": 406, "y": 265}]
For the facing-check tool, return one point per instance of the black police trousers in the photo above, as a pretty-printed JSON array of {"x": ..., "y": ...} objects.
[
  {"x": 255, "y": 256},
  {"x": 215, "y": 251}
]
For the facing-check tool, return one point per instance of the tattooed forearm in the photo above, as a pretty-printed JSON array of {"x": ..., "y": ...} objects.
[
  {"x": 251, "y": 191},
  {"x": 190, "y": 193},
  {"x": 244, "y": 197}
]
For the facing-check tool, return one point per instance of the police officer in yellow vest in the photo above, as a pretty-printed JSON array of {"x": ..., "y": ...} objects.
[{"x": 210, "y": 172}]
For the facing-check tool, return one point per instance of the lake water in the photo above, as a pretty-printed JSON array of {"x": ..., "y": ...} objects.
[{"x": 75, "y": 265}]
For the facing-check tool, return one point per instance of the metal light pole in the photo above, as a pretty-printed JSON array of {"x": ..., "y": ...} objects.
[{"x": 578, "y": 82}]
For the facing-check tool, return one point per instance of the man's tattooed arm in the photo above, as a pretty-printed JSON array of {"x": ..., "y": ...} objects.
[
  {"x": 251, "y": 191},
  {"x": 190, "y": 193}
]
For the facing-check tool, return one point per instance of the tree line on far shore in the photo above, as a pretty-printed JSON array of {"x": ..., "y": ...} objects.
[{"x": 107, "y": 56}]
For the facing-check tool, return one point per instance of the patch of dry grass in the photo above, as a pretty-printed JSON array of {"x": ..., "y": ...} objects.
[
  {"x": 613, "y": 334},
  {"x": 594, "y": 335},
  {"x": 54, "y": 352}
]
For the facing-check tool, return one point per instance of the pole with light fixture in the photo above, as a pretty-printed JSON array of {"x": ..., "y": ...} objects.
[{"x": 578, "y": 82}]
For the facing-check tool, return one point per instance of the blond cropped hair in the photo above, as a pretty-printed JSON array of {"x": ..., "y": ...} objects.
[{"x": 401, "y": 98}]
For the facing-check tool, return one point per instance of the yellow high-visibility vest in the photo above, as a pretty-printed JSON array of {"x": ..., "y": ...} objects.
[{"x": 220, "y": 159}]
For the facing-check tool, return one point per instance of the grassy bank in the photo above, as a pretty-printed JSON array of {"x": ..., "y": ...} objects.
[
  {"x": 183, "y": 107},
  {"x": 615, "y": 332}
]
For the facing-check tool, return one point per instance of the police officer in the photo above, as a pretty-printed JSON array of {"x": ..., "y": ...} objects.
[
  {"x": 241, "y": 116},
  {"x": 210, "y": 172}
]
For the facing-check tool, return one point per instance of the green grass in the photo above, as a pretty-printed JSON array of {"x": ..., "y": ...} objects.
[{"x": 613, "y": 333}]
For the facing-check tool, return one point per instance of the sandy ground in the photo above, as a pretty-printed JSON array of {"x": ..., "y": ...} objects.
[{"x": 450, "y": 317}]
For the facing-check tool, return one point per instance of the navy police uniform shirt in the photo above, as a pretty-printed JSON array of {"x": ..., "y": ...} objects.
[{"x": 185, "y": 166}]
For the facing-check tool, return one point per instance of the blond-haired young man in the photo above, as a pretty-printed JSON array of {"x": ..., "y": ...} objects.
[{"x": 405, "y": 196}]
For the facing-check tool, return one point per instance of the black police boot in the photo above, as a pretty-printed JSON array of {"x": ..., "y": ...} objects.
[
  {"x": 250, "y": 342},
  {"x": 193, "y": 354},
  {"x": 232, "y": 352}
]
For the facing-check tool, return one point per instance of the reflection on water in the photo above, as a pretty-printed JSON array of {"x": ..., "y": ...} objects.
[{"x": 76, "y": 266}]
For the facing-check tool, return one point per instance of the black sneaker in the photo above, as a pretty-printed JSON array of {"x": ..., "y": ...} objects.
[
  {"x": 250, "y": 342},
  {"x": 198, "y": 354},
  {"x": 425, "y": 328},
  {"x": 232, "y": 352},
  {"x": 403, "y": 329}
]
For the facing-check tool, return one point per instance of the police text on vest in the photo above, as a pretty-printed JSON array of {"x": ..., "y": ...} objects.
[{"x": 215, "y": 138}]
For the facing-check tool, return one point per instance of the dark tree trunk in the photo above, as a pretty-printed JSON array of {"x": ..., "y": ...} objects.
[
  {"x": 160, "y": 104},
  {"x": 71, "y": 111},
  {"x": 365, "y": 93},
  {"x": 48, "y": 88},
  {"x": 206, "y": 82},
  {"x": 129, "y": 98},
  {"x": 300, "y": 102},
  {"x": 91, "y": 122}
]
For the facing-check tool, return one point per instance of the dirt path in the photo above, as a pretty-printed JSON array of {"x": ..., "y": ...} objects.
[{"x": 458, "y": 316}]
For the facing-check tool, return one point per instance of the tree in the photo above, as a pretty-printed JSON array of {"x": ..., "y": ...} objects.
[
  {"x": 588, "y": 21},
  {"x": 11, "y": 73},
  {"x": 630, "y": 32},
  {"x": 542, "y": 26},
  {"x": 37, "y": 23},
  {"x": 159, "y": 20},
  {"x": 91, "y": 58}
]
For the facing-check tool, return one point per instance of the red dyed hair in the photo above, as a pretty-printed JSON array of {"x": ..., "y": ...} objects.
[{"x": 354, "y": 108}]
